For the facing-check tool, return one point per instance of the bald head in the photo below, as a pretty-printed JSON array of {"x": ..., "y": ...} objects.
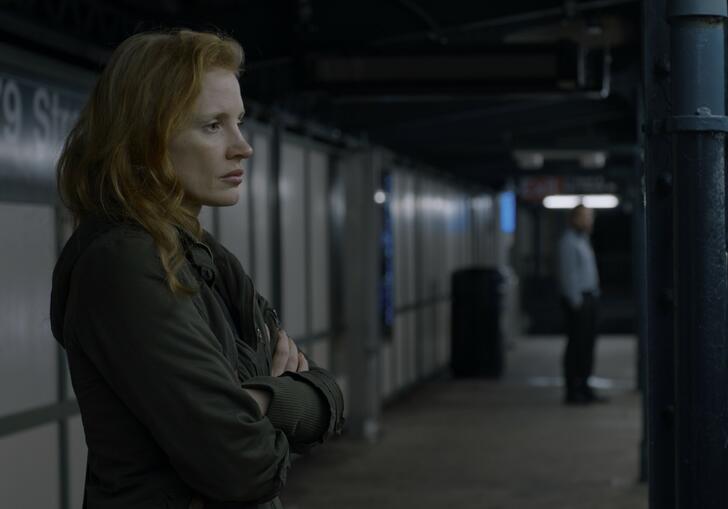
[{"x": 581, "y": 219}]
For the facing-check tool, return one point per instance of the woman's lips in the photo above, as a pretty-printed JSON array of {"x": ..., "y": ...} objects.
[{"x": 234, "y": 177}]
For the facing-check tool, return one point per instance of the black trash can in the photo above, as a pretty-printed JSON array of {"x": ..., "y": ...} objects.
[{"x": 477, "y": 341}]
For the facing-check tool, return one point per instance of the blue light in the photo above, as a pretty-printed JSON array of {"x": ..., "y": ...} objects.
[
  {"x": 507, "y": 209},
  {"x": 386, "y": 243}
]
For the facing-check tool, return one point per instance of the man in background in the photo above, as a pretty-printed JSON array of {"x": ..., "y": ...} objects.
[{"x": 579, "y": 285}]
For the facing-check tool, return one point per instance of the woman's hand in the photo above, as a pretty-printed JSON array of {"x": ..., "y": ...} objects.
[{"x": 287, "y": 357}]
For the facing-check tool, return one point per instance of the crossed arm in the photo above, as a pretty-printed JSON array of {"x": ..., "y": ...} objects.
[{"x": 286, "y": 357}]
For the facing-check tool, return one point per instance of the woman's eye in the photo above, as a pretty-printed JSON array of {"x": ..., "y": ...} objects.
[
  {"x": 213, "y": 127},
  {"x": 240, "y": 124}
]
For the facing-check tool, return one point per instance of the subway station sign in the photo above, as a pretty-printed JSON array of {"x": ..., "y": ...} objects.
[{"x": 37, "y": 111}]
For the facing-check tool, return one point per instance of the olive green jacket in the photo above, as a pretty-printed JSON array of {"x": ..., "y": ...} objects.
[{"x": 159, "y": 377}]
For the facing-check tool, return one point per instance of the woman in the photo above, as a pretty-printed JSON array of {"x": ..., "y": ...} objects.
[{"x": 190, "y": 393}]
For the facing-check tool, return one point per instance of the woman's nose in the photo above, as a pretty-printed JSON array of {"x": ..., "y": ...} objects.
[{"x": 240, "y": 148}]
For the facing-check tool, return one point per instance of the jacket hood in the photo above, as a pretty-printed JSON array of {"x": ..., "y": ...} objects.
[{"x": 88, "y": 230}]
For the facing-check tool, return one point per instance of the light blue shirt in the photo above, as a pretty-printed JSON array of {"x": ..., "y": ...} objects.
[{"x": 577, "y": 267}]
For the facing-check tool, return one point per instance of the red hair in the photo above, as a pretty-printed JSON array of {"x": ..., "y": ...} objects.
[{"x": 115, "y": 161}]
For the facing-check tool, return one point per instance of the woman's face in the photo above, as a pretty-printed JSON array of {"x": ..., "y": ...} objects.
[{"x": 208, "y": 150}]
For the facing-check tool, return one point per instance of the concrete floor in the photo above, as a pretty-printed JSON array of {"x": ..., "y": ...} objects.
[{"x": 481, "y": 444}]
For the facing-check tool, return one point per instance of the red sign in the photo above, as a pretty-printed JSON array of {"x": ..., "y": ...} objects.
[{"x": 535, "y": 189}]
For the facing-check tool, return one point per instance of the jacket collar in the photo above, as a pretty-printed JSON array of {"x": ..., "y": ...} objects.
[{"x": 199, "y": 255}]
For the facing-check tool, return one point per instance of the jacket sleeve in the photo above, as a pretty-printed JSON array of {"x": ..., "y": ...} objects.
[
  {"x": 161, "y": 358},
  {"x": 308, "y": 407},
  {"x": 568, "y": 272}
]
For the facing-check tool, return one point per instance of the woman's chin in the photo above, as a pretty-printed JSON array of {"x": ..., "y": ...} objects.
[{"x": 226, "y": 200}]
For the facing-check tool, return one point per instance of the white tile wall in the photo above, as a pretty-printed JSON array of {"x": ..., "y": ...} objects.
[
  {"x": 293, "y": 241},
  {"x": 29, "y": 469},
  {"x": 28, "y": 351}
]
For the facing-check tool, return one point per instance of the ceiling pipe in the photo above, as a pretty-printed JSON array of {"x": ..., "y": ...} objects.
[{"x": 514, "y": 19}]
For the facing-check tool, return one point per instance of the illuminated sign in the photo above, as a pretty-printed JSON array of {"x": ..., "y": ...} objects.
[
  {"x": 36, "y": 114},
  {"x": 507, "y": 211}
]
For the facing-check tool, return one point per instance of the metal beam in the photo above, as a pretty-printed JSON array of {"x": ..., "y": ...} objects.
[
  {"x": 506, "y": 69},
  {"x": 274, "y": 209},
  {"x": 508, "y": 20},
  {"x": 422, "y": 14},
  {"x": 616, "y": 171},
  {"x": 38, "y": 416},
  {"x": 31, "y": 30},
  {"x": 361, "y": 258},
  {"x": 639, "y": 278},
  {"x": 450, "y": 117},
  {"x": 659, "y": 350}
]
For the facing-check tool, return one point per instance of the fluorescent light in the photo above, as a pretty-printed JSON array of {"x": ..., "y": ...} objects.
[
  {"x": 380, "y": 197},
  {"x": 593, "y": 160},
  {"x": 561, "y": 201},
  {"x": 592, "y": 201},
  {"x": 534, "y": 159},
  {"x": 600, "y": 201},
  {"x": 528, "y": 159}
]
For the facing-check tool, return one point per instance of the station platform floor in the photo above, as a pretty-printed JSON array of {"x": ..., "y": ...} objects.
[{"x": 480, "y": 444}]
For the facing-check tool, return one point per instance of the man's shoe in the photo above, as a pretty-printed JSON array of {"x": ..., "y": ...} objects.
[
  {"x": 576, "y": 398},
  {"x": 593, "y": 397}
]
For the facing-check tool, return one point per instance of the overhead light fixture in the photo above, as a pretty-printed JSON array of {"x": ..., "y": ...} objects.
[
  {"x": 593, "y": 160},
  {"x": 534, "y": 159},
  {"x": 600, "y": 201},
  {"x": 561, "y": 201},
  {"x": 591, "y": 201},
  {"x": 528, "y": 159},
  {"x": 593, "y": 27},
  {"x": 380, "y": 197}
]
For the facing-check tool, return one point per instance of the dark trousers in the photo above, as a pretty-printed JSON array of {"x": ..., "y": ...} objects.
[{"x": 581, "y": 332}]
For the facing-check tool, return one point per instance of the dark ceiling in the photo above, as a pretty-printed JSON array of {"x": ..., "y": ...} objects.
[{"x": 456, "y": 84}]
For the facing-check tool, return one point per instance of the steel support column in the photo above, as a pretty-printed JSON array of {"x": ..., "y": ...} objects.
[
  {"x": 659, "y": 352},
  {"x": 361, "y": 264},
  {"x": 274, "y": 209},
  {"x": 700, "y": 269},
  {"x": 639, "y": 281}
]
